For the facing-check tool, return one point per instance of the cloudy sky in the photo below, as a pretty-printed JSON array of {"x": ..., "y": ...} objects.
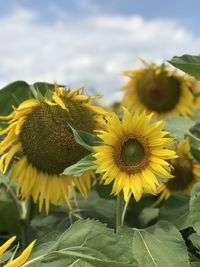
[{"x": 89, "y": 42}]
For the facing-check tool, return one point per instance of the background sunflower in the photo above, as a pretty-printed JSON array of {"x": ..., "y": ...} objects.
[
  {"x": 159, "y": 89},
  {"x": 186, "y": 171}
]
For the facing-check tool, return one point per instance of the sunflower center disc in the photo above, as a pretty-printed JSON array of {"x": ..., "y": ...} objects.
[
  {"x": 183, "y": 174},
  {"x": 132, "y": 152},
  {"x": 47, "y": 143},
  {"x": 159, "y": 92}
]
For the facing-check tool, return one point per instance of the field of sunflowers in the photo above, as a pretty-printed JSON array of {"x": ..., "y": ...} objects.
[{"x": 88, "y": 185}]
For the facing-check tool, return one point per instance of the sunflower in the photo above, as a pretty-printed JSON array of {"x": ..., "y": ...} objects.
[
  {"x": 186, "y": 173},
  {"x": 133, "y": 153},
  {"x": 19, "y": 260},
  {"x": 44, "y": 147},
  {"x": 160, "y": 90}
]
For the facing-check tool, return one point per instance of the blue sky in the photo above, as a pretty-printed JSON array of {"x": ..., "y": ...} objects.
[
  {"x": 91, "y": 41},
  {"x": 186, "y": 12}
]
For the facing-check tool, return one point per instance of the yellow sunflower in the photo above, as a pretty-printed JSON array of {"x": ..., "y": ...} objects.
[
  {"x": 19, "y": 261},
  {"x": 45, "y": 147},
  {"x": 186, "y": 173},
  {"x": 160, "y": 90},
  {"x": 133, "y": 153}
]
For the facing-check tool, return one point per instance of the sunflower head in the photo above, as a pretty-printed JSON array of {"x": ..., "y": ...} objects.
[
  {"x": 186, "y": 173},
  {"x": 133, "y": 152},
  {"x": 39, "y": 131},
  {"x": 45, "y": 130},
  {"x": 158, "y": 89}
]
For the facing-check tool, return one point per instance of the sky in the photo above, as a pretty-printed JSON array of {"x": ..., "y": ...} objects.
[{"x": 90, "y": 42}]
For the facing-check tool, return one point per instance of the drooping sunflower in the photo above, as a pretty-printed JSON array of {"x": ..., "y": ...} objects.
[
  {"x": 45, "y": 147},
  {"x": 160, "y": 90},
  {"x": 20, "y": 260},
  {"x": 133, "y": 153},
  {"x": 186, "y": 173}
]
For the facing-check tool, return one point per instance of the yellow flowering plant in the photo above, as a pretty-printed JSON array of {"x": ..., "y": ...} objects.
[{"x": 102, "y": 187}]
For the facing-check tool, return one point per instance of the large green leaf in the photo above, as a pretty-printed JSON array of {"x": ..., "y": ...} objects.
[
  {"x": 148, "y": 215},
  {"x": 187, "y": 63},
  {"x": 195, "y": 207},
  {"x": 99, "y": 208},
  {"x": 88, "y": 241},
  {"x": 178, "y": 126},
  {"x": 42, "y": 224},
  {"x": 195, "y": 264},
  {"x": 160, "y": 245},
  {"x": 176, "y": 211},
  {"x": 12, "y": 95},
  {"x": 81, "y": 166},
  {"x": 195, "y": 240},
  {"x": 85, "y": 139}
]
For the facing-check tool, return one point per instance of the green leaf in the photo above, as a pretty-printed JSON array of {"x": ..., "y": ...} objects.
[
  {"x": 194, "y": 138},
  {"x": 195, "y": 240},
  {"x": 42, "y": 88},
  {"x": 12, "y": 95},
  {"x": 195, "y": 264},
  {"x": 81, "y": 166},
  {"x": 176, "y": 210},
  {"x": 195, "y": 153},
  {"x": 86, "y": 140},
  {"x": 9, "y": 217},
  {"x": 194, "y": 207},
  {"x": 187, "y": 63},
  {"x": 160, "y": 245},
  {"x": 98, "y": 208},
  {"x": 147, "y": 215},
  {"x": 178, "y": 126},
  {"x": 42, "y": 224},
  {"x": 88, "y": 241},
  {"x": 196, "y": 115},
  {"x": 5, "y": 257}
]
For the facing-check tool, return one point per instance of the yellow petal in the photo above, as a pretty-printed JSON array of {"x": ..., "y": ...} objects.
[
  {"x": 6, "y": 158},
  {"x": 96, "y": 109},
  {"x": 20, "y": 165},
  {"x": 80, "y": 98},
  {"x": 64, "y": 189},
  {"x": 8, "y": 140},
  {"x": 136, "y": 187},
  {"x": 126, "y": 190},
  {"x": 6, "y": 130},
  {"x": 73, "y": 92},
  {"x": 10, "y": 116},
  {"x": 160, "y": 171},
  {"x": 59, "y": 101},
  {"x": 22, "y": 258},
  {"x": 6, "y": 245},
  {"x": 164, "y": 153},
  {"x": 50, "y": 103},
  {"x": 28, "y": 104}
]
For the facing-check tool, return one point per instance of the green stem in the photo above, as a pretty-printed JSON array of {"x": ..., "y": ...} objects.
[
  {"x": 125, "y": 209},
  {"x": 119, "y": 210}
]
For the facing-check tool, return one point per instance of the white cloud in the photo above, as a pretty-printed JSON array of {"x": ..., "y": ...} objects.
[{"x": 91, "y": 51}]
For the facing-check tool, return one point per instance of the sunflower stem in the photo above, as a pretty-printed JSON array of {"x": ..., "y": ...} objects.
[
  {"x": 125, "y": 209},
  {"x": 119, "y": 210}
]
